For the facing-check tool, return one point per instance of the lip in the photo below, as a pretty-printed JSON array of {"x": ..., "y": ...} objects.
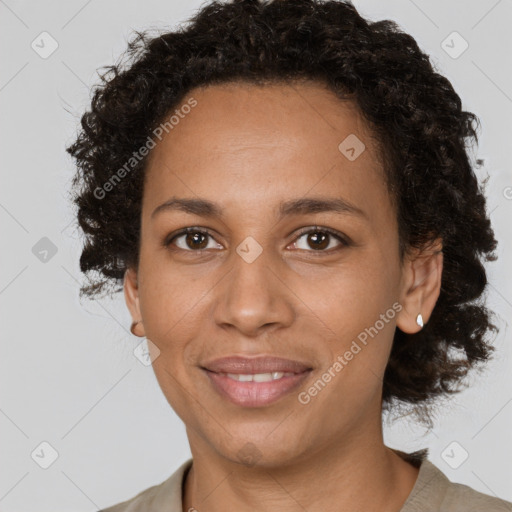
[
  {"x": 261, "y": 364},
  {"x": 255, "y": 394}
]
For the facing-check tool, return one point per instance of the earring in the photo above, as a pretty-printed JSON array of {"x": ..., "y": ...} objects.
[
  {"x": 132, "y": 327},
  {"x": 419, "y": 320}
]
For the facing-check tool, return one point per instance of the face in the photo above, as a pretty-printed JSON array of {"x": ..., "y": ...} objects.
[{"x": 263, "y": 276}]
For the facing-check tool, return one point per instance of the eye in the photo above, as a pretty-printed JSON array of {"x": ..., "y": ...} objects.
[
  {"x": 196, "y": 239},
  {"x": 320, "y": 239}
]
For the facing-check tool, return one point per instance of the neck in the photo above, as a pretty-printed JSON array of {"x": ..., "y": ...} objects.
[{"x": 359, "y": 476}]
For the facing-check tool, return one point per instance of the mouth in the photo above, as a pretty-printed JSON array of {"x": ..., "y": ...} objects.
[{"x": 255, "y": 382}]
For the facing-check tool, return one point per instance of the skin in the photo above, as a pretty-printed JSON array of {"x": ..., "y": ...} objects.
[{"x": 248, "y": 148}]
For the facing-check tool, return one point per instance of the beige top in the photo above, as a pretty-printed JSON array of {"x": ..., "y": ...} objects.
[{"x": 432, "y": 492}]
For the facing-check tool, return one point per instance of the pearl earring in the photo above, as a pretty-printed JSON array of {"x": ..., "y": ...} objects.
[{"x": 419, "y": 320}]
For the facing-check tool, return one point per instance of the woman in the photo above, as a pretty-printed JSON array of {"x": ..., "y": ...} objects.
[{"x": 284, "y": 191}]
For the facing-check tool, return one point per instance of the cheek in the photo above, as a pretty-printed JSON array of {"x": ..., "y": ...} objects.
[
  {"x": 171, "y": 298},
  {"x": 352, "y": 297},
  {"x": 171, "y": 307},
  {"x": 355, "y": 302},
  {"x": 359, "y": 309}
]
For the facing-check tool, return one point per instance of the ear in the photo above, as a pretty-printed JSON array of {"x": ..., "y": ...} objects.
[
  {"x": 131, "y": 296},
  {"x": 421, "y": 285}
]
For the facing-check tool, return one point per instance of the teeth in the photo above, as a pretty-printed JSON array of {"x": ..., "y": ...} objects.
[{"x": 257, "y": 377}]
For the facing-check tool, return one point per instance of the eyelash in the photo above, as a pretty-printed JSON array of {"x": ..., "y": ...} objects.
[{"x": 315, "y": 229}]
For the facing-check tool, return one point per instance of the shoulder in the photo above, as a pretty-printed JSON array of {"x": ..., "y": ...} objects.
[
  {"x": 163, "y": 496},
  {"x": 434, "y": 492},
  {"x": 141, "y": 501},
  {"x": 460, "y": 497}
]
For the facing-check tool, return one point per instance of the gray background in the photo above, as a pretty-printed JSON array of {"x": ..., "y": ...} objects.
[{"x": 68, "y": 373}]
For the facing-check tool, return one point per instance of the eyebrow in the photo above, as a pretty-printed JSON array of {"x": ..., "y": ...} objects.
[{"x": 302, "y": 206}]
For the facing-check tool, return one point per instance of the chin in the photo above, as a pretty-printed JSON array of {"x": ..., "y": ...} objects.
[{"x": 252, "y": 447}]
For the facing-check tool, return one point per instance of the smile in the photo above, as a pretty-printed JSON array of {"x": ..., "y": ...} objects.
[
  {"x": 255, "y": 390},
  {"x": 257, "y": 377}
]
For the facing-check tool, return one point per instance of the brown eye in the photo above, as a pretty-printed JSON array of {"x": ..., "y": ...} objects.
[
  {"x": 196, "y": 240},
  {"x": 320, "y": 239},
  {"x": 317, "y": 239},
  {"x": 190, "y": 239}
]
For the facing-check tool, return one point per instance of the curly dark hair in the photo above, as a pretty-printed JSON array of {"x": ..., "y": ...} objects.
[{"x": 414, "y": 112}]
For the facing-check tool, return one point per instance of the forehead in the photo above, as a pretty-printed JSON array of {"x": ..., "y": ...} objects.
[{"x": 256, "y": 144}]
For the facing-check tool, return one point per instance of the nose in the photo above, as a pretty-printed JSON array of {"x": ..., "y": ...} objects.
[{"x": 254, "y": 298}]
